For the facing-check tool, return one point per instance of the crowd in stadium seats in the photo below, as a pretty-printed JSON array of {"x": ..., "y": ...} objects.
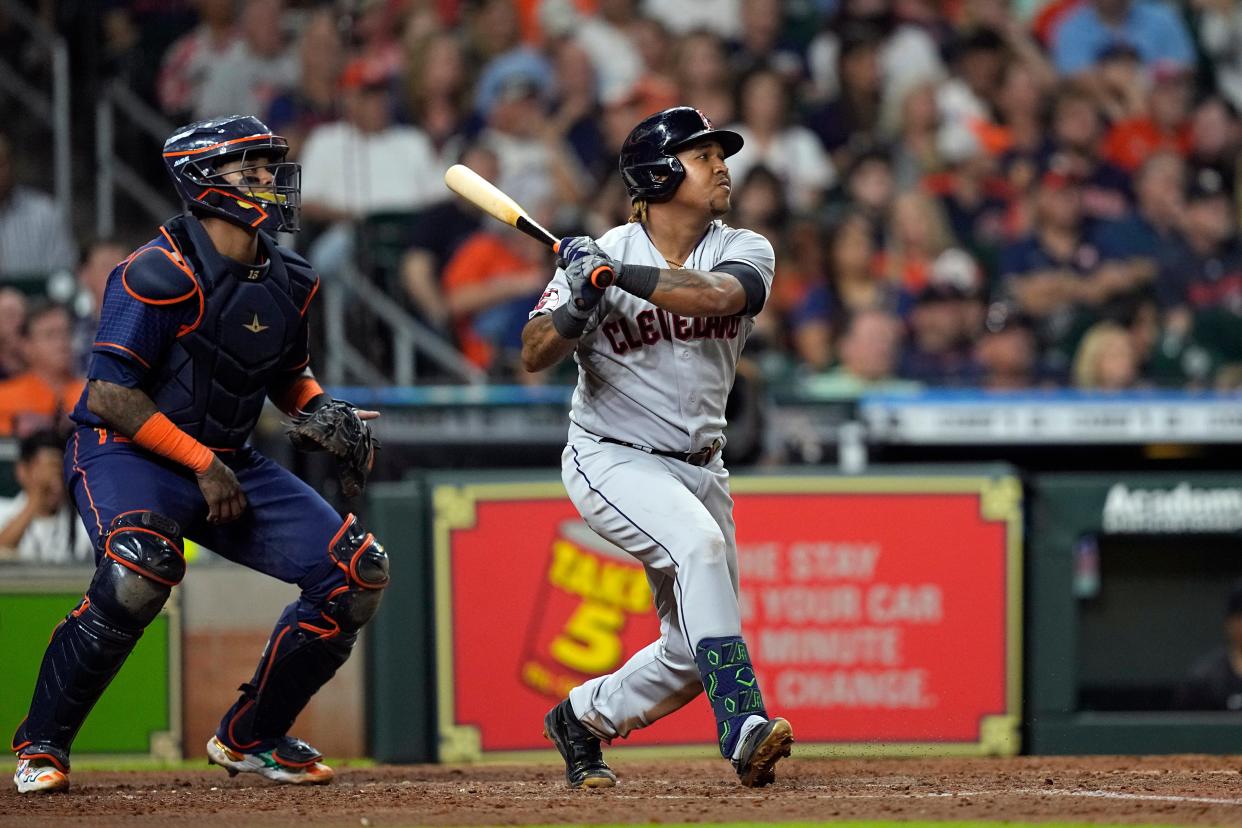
[{"x": 996, "y": 193}]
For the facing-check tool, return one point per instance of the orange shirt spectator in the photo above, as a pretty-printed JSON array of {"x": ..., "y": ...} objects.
[
  {"x": 490, "y": 284},
  {"x": 46, "y": 392},
  {"x": 1131, "y": 142}
]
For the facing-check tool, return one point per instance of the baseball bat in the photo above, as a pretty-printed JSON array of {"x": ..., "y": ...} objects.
[{"x": 492, "y": 200}]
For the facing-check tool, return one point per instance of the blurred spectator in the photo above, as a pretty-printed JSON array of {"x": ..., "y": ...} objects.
[
  {"x": 759, "y": 203},
  {"x": 191, "y": 57},
  {"x": 909, "y": 124},
  {"x": 492, "y": 30},
  {"x": 655, "y": 89},
  {"x": 1121, "y": 83},
  {"x": 938, "y": 351},
  {"x": 98, "y": 261},
  {"x": 1216, "y": 142},
  {"x": 870, "y": 185},
  {"x": 1215, "y": 679},
  {"x": 720, "y": 18},
  {"x": 257, "y": 68},
  {"x": 1164, "y": 125},
  {"x": 574, "y": 115},
  {"x": 905, "y": 50},
  {"x": 38, "y": 526},
  {"x": 373, "y": 30},
  {"x": 1200, "y": 280},
  {"x": 1220, "y": 35},
  {"x": 490, "y": 286},
  {"x": 788, "y": 150},
  {"x": 33, "y": 236},
  {"x": 703, "y": 77},
  {"x": 536, "y": 164},
  {"x": 761, "y": 42},
  {"x": 1022, "y": 104},
  {"x": 1145, "y": 236},
  {"x": 1151, "y": 27},
  {"x": 1006, "y": 351},
  {"x": 603, "y": 38},
  {"x": 12, "y": 316},
  {"x": 870, "y": 348},
  {"x": 1076, "y": 131},
  {"x": 441, "y": 229},
  {"x": 438, "y": 85},
  {"x": 851, "y": 119},
  {"x": 363, "y": 166},
  {"x": 918, "y": 233},
  {"x": 294, "y": 112},
  {"x": 1056, "y": 275},
  {"x": 975, "y": 199},
  {"x": 44, "y": 394},
  {"x": 1106, "y": 360}
]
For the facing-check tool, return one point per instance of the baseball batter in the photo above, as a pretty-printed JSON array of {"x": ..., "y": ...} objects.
[{"x": 657, "y": 352}]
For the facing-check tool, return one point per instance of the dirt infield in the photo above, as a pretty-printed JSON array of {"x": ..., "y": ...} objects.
[{"x": 1180, "y": 790}]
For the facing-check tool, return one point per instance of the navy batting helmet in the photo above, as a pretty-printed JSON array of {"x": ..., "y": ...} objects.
[
  {"x": 648, "y": 163},
  {"x": 195, "y": 153}
]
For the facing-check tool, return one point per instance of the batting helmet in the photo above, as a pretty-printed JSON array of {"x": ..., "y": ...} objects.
[
  {"x": 194, "y": 154},
  {"x": 648, "y": 163}
]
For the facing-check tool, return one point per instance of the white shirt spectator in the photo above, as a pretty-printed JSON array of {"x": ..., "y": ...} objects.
[
  {"x": 58, "y": 539},
  {"x": 242, "y": 81},
  {"x": 186, "y": 65},
  {"x": 33, "y": 237},
  {"x": 797, "y": 158},
  {"x": 395, "y": 169},
  {"x": 908, "y": 53},
  {"x": 720, "y": 17},
  {"x": 1220, "y": 32}
]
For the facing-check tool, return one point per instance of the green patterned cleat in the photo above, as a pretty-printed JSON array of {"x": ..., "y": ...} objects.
[{"x": 291, "y": 762}]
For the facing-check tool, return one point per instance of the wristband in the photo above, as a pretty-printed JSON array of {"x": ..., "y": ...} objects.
[
  {"x": 567, "y": 324},
  {"x": 301, "y": 394},
  {"x": 159, "y": 435},
  {"x": 639, "y": 280}
]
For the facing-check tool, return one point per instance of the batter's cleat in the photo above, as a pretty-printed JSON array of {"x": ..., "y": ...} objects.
[
  {"x": 584, "y": 760},
  {"x": 292, "y": 762},
  {"x": 765, "y": 745},
  {"x": 39, "y": 775}
]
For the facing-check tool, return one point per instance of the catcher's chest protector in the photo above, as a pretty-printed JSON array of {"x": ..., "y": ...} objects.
[{"x": 213, "y": 379}]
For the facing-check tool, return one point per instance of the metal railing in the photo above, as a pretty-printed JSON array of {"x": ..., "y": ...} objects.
[
  {"x": 52, "y": 109},
  {"x": 111, "y": 173}
]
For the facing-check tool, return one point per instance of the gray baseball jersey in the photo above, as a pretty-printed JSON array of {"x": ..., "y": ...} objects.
[
  {"x": 652, "y": 377},
  {"x": 656, "y": 379}
]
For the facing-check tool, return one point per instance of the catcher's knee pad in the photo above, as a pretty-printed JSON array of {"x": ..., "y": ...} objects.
[
  {"x": 365, "y": 564},
  {"x": 141, "y": 563}
]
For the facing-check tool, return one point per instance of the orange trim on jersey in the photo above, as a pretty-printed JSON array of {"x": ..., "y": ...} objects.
[
  {"x": 161, "y": 436},
  {"x": 220, "y": 144},
  {"x": 243, "y": 202},
  {"x": 185, "y": 329},
  {"x": 145, "y": 364},
  {"x": 86, "y": 486},
  {"x": 178, "y": 262},
  {"x": 314, "y": 289}
]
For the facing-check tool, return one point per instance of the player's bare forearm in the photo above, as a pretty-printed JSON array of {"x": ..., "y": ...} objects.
[
  {"x": 542, "y": 346},
  {"x": 124, "y": 409},
  {"x": 698, "y": 293}
]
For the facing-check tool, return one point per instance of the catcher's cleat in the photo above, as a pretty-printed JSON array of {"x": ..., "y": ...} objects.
[
  {"x": 584, "y": 761},
  {"x": 39, "y": 775},
  {"x": 292, "y": 762},
  {"x": 764, "y": 746}
]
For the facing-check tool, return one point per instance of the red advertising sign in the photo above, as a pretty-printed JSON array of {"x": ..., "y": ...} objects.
[{"x": 880, "y": 612}]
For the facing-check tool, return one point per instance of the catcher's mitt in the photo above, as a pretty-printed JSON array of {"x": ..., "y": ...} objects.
[{"x": 335, "y": 427}]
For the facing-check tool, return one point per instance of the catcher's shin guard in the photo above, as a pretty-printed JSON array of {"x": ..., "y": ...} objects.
[
  {"x": 302, "y": 655},
  {"x": 731, "y": 686},
  {"x": 142, "y": 561}
]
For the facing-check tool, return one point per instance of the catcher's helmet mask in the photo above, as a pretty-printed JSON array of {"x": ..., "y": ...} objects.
[
  {"x": 648, "y": 161},
  {"x": 195, "y": 153}
]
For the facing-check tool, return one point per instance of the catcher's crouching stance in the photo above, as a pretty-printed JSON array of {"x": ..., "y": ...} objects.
[{"x": 197, "y": 328}]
